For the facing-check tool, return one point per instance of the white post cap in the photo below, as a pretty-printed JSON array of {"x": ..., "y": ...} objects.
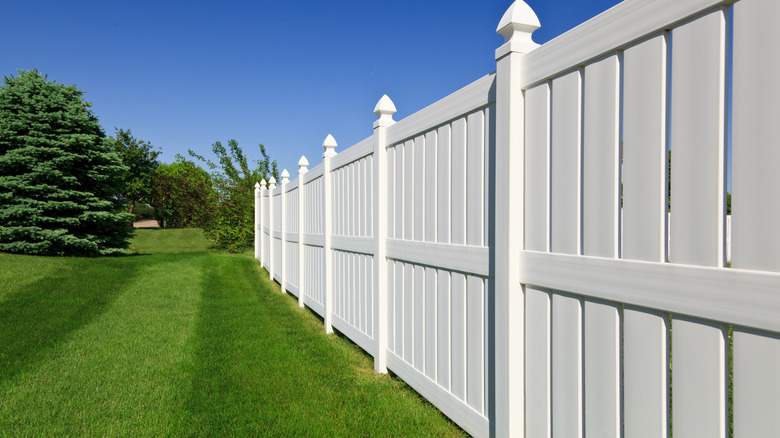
[
  {"x": 272, "y": 183},
  {"x": 303, "y": 165},
  {"x": 285, "y": 176},
  {"x": 516, "y": 26},
  {"x": 262, "y": 184},
  {"x": 330, "y": 146},
  {"x": 384, "y": 111}
]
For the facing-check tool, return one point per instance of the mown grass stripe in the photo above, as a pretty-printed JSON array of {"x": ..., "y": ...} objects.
[{"x": 181, "y": 342}]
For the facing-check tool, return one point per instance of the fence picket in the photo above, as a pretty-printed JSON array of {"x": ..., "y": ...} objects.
[{"x": 755, "y": 233}]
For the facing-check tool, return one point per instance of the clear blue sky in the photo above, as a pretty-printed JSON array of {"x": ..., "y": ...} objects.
[{"x": 183, "y": 75}]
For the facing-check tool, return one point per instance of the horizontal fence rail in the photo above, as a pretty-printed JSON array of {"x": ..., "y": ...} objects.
[{"x": 548, "y": 251}]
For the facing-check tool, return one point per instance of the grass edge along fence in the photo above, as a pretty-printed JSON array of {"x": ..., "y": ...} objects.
[{"x": 508, "y": 252}]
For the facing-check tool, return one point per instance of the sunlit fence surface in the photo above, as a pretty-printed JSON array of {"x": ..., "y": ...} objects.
[{"x": 515, "y": 253}]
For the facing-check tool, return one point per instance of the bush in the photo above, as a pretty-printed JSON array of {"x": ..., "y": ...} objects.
[{"x": 232, "y": 223}]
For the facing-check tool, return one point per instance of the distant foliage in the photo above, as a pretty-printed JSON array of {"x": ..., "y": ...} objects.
[
  {"x": 140, "y": 158},
  {"x": 232, "y": 225},
  {"x": 59, "y": 174},
  {"x": 183, "y": 195}
]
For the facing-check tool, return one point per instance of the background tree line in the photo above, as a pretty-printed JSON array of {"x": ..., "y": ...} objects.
[{"x": 68, "y": 189}]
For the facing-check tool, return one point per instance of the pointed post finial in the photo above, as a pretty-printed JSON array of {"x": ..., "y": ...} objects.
[
  {"x": 272, "y": 183},
  {"x": 262, "y": 184},
  {"x": 303, "y": 165},
  {"x": 257, "y": 185},
  {"x": 384, "y": 111},
  {"x": 285, "y": 176},
  {"x": 330, "y": 146},
  {"x": 516, "y": 26}
]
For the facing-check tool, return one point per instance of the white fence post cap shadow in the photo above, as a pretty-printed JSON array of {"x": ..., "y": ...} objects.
[
  {"x": 330, "y": 146},
  {"x": 384, "y": 110},
  {"x": 272, "y": 183},
  {"x": 303, "y": 164},
  {"x": 285, "y": 176},
  {"x": 516, "y": 26}
]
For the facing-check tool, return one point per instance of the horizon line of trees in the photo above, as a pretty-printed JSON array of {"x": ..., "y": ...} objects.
[{"x": 68, "y": 189}]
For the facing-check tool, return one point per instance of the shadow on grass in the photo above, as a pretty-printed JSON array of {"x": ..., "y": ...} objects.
[
  {"x": 262, "y": 366},
  {"x": 40, "y": 315}
]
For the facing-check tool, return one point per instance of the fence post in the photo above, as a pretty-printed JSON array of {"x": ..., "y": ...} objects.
[
  {"x": 263, "y": 222},
  {"x": 258, "y": 211},
  {"x": 384, "y": 111},
  {"x": 283, "y": 229},
  {"x": 330, "y": 151},
  {"x": 271, "y": 187},
  {"x": 259, "y": 221},
  {"x": 516, "y": 26},
  {"x": 302, "y": 169}
]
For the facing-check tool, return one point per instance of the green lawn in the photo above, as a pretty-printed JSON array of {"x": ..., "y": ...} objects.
[{"x": 180, "y": 340}]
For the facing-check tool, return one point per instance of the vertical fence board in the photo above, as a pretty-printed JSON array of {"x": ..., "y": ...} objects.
[
  {"x": 390, "y": 304},
  {"x": 419, "y": 188},
  {"x": 400, "y": 191},
  {"x": 697, "y": 144},
  {"x": 755, "y": 207},
  {"x": 475, "y": 180},
  {"x": 600, "y": 155},
  {"x": 360, "y": 291},
  {"x": 351, "y": 198},
  {"x": 475, "y": 335},
  {"x": 443, "y": 338},
  {"x": 366, "y": 324},
  {"x": 602, "y": 370},
  {"x": 537, "y": 363},
  {"x": 399, "y": 309},
  {"x": 364, "y": 209},
  {"x": 645, "y": 373},
  {"x": 443, "y": 184},
  {"x": 697, "y": 141},
  {"x": 458, "y": 335},
  {"x": 489, "y": 173},
  {"x": 566, "y": 366},
  {"x": 390, "y": 193},
  {"x": 364, "y": 293},
  {"x": 565, "y": 164},
  {"x": 370, "y": 201},
  {"x": 645, "y": 333},
  {"x": 537, "y": 167},
  {"x": 430, "y": 322},
  {"x": 756, "y": 383},
  {"x": 698, "y": 378},
  {"x": 408, "y": 292},
  {"x": 409, "y": 187},
  {"x": 644, "y": 150},
  {"x": 458, "y": 214},
  {"x": 338, "y": 286},
  {"x": 419, "y": 318},
  {"x": 352, "y": 281},
  {"x": 430, "y": 186}
]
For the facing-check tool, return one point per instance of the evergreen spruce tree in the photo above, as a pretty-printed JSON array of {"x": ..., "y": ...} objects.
[{"x": 59, "y": 174}]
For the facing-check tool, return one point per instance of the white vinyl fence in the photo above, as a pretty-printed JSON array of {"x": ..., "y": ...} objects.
[{"x": 478, "y": 249}]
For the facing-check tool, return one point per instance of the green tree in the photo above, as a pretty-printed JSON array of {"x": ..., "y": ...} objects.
[
  {"x": 232, "y": 225},
  {"x": 141, "y": 161},
  {"x": 58, "y": 173},
  {"x": 183, "y": 195}
]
